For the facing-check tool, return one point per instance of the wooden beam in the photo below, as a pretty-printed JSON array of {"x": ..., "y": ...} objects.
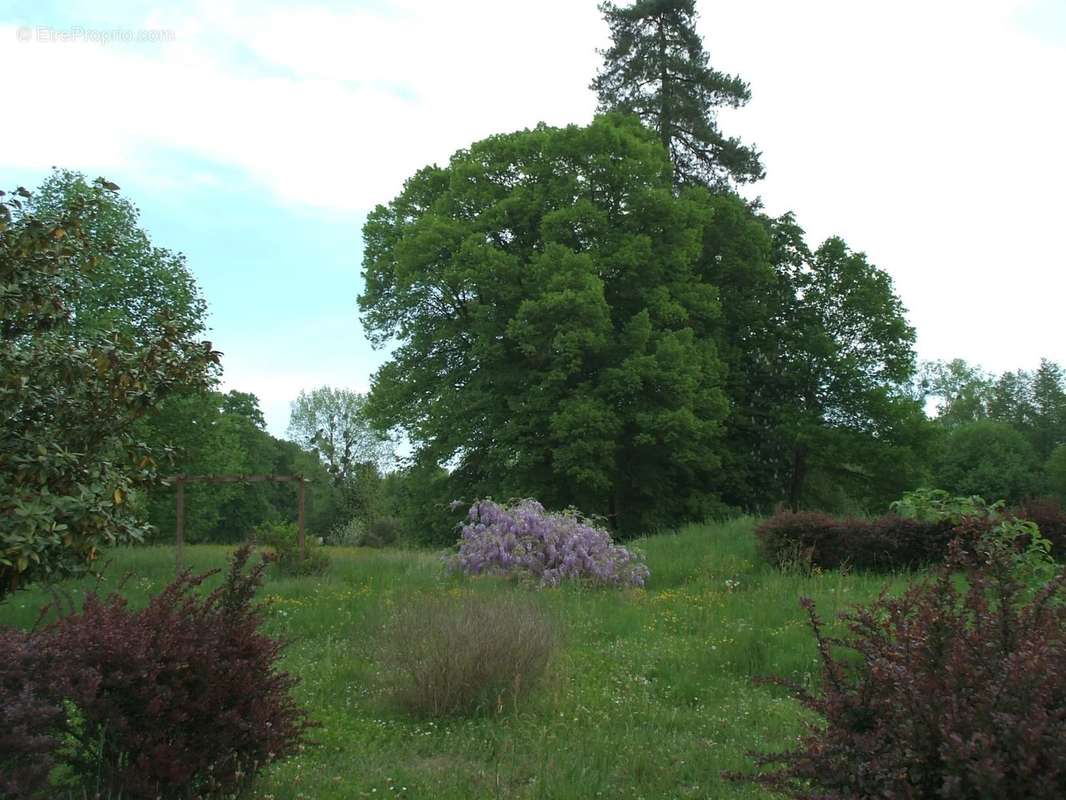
[
  {"x": 238, "y": 478},
  {"x": 300, "y": 517}
]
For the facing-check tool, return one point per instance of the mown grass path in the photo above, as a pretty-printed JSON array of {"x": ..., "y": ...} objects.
[{"x": 651, "y": 695}]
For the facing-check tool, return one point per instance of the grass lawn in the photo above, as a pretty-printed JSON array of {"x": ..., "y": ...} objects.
[{"x": 650, "y": 697}]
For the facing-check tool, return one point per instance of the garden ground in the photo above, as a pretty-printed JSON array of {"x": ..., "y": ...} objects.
[{"x": 650, "y": 694}]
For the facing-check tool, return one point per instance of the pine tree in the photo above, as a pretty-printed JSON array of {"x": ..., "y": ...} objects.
[{"x": 657, "y": 69}]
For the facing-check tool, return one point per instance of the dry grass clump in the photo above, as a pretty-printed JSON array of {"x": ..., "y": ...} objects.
[{"x": 453, "y": 656}]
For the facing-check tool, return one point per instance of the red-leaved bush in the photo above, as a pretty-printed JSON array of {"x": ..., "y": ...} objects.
[
  {"x": 27, "y": 720},
  {"x": 810, "y": 539},
  {"x": 181, "y": 699},
  {"x": 1050, "y": 517},
  {"x": 958, "y": 693}
]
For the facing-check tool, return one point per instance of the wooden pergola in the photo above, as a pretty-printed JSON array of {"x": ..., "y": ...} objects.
[{"x": 179, "y": 482}]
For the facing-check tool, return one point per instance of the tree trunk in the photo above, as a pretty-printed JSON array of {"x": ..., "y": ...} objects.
[
  {"x": 665, "y": 123},
  {"x": 799, "y": 475}
]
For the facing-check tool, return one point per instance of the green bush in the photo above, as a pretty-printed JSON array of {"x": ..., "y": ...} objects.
[
  {"x": 990, "y": 459},
  {"x": 348, "y": 534},
  {"x": 357, "y": 532},
  {"x": 450, "y": 656},
  {"x": 289, "y": 559},
  {"x": 383, "y": 532},
  {"x": 1055, "y": 472}
]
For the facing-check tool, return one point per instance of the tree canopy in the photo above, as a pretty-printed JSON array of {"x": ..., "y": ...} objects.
[
  {"x": 333, "y": 423},
  {"x": 819, "y": 353},
  {"x": 553, "y": 332},
  {"x": 132, "y": 284}
]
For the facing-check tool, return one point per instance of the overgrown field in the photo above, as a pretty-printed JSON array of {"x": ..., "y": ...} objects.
[{"x": 649, "y": 696}]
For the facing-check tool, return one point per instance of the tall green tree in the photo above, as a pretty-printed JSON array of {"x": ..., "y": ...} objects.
[
  {"x": 333, "y": 423},
  {"x": 1011, "y": 399},
  {"x": 1048, "y": 427},
  {"x": 963, "y": 393},
  {"x": 554, "y": 337},
  {"x": 70, "y": 395},
  {"x": 823, "y": 372},
  {"x": 657, "y": 69},
  {"x": 132, "y": 284}
]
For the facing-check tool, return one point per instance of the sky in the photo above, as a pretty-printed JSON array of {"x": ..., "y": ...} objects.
[{"x": 255, "y": 136}]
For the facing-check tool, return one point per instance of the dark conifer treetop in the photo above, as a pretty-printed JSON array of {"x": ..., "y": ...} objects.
[{"x": 657, "y": 69}]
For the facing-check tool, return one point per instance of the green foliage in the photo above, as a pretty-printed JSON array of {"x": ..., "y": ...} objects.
[
  {"x": 937, "y": 505},
  {"x": 815, "y": 346},
  {"x": 1033, "y": 403},
  {"x": 657, "y": 69},
  {"x": 333, "y": 423},
  {"x": 289, "y": 558},
  {"x": 832, "y": 405},
  {"x": 1055, "y": 472},
  {"x": 552, "y": 328},
  {"x": 990, "y": 459},
  {"x": 1048, "y": 427},
  {"x": 963, "y": 393},
  {"x": 70, "y": 394},
  {"x": 1020, "y": 544},
  {"x": 419, "y": 497},
  {"x": 1000, "y": 537},
  {"x": 133, "y": 286},
  {"x": 222, "y": 434}
]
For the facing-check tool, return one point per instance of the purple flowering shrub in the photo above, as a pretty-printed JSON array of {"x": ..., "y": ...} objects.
[{"x": 523, "y": 539}]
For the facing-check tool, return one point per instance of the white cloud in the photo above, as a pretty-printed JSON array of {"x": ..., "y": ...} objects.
[
  {"x": 927, "y": 134},
  {"x": 326, "y": 109}
]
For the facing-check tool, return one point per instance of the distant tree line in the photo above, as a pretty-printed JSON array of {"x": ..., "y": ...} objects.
[{"x": 999, "y": 436}]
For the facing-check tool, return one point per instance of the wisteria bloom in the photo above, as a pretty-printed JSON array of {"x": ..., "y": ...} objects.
[{"x": 523, "y": 538}]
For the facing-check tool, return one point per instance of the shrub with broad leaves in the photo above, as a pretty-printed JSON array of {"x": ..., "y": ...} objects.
[
  {"x": 522, "y": 539},
  {"x": 956, "y": 690},
  {"x": 72, "y": 394}
]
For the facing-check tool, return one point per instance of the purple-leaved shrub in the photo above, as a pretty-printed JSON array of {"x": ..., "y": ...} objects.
[
  {"x": 956, "y": 690},
  {"x": 522, "y": 539},
  {"x": 181, "y": 699}
]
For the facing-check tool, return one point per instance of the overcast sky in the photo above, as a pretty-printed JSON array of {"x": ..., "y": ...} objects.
[{"x": 255, "y": 136}]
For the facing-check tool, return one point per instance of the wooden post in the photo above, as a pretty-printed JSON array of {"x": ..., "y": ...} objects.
[
  {"x": 300, "y": 515},
  {"x": 179, "y": 515}
]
